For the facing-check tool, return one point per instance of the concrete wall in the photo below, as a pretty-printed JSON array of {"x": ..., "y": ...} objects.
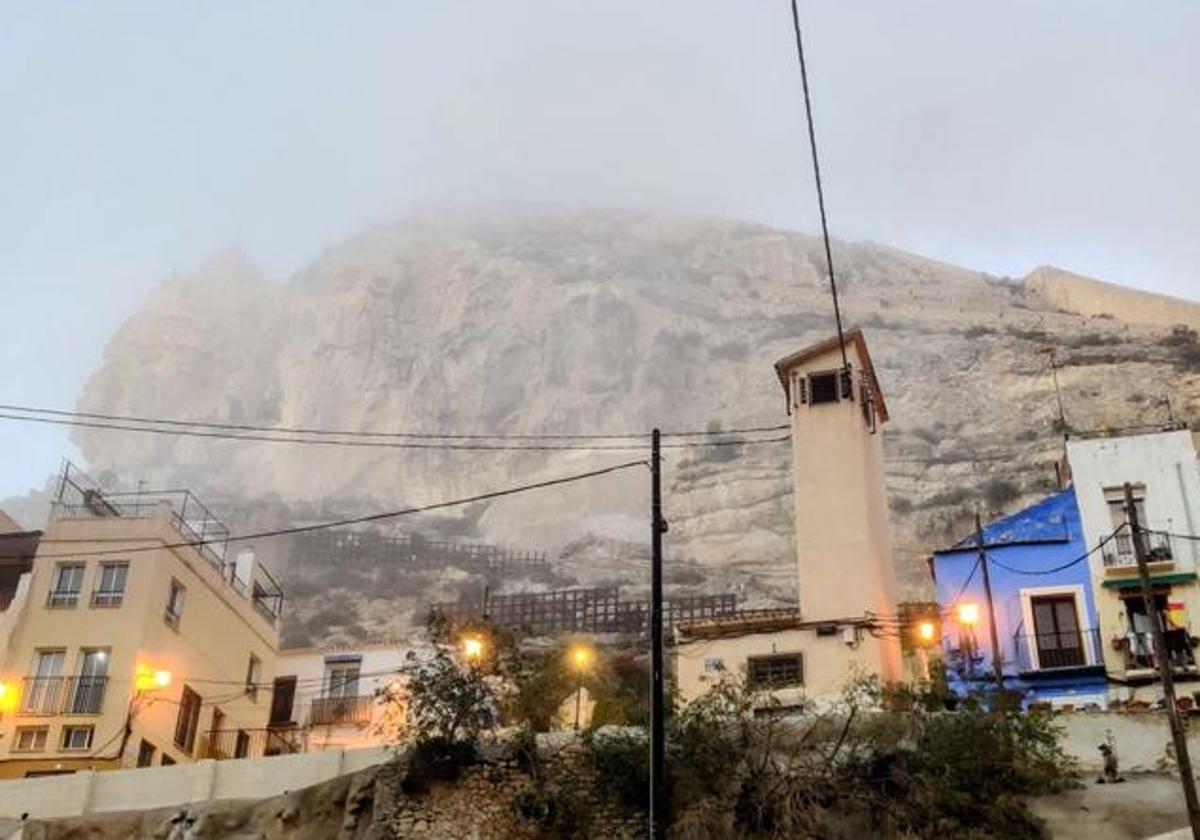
[
  {"x": 1085, "y": 296},
  {"x": 157, "y": 787},
  {"x": 1142, "y": 739},
  {"x": 1165, "y": 463}
]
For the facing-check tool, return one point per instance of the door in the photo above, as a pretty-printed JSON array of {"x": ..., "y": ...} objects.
[
  {"x": 283, "y": 697},
  {"x": 1056, "y": 628}
]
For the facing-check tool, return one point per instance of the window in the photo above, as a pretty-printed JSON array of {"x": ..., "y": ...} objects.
[
  {"x": 283, "y": 698},
  {"x": 822, "y": 387},
  {"x": 780, "y": 671},
  {"x": 68, "y": 582},
  {"x": 174, "y": 603},
  {"x": 188, "y": 721},
  {"x": 1056, "y": 631},
  {"x": 253, "y": 675},
  {"x": 30, "y": 738},
  {"x": 145, "y": 754},
  {"x": 110, "y": 585},
  {"x": 77, "y": 737},
  {"x": 341, "y": 676},
  {"x": 43, "y": 687},
  {"x": 87, "y": 694}
]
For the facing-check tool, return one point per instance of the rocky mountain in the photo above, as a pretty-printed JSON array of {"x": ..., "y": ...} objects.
[{"x": 549, "y": 320}]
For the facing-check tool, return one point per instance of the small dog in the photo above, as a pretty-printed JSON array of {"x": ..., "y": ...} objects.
[{"x": 1112, "y": 774}]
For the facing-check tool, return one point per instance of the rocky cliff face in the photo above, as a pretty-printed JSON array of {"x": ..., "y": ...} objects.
[{"x": 579, "y": 322}]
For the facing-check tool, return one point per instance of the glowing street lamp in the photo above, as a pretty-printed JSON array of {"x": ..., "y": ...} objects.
[
  {"x": 8, "y": 697},
  {"x": 968, "y": 614},
  {"x": 151, "y": 679},
  {"x": 926, "y": 632},
  {"x": 580, "y": 656},
  {"x": 472, "y": 647}
]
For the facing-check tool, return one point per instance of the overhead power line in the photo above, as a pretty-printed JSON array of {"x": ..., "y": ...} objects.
[
  {"x": 359, "y": 433},
  {"x": 430, "y": 445},
  {"x": 359, "y": 520},
  {"x": 812, "y": 144}
]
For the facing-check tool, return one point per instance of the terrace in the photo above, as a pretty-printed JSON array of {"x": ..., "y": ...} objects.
[{"x": 80, "y": 497}]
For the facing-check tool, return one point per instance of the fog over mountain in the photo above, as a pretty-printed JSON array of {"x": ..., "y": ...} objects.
[{"x": 534, "y": 319}]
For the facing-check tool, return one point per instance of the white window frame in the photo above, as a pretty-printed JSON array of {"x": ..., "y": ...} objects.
[
  {"x": 37, "y": 744},
  {"x": 173, "y": 612},
  {"x": 65, "y": 597},
  {"x": 1088, "y": 634},
  {"x": 110, "y": 597},
  {"x": 64, "y": 746}
]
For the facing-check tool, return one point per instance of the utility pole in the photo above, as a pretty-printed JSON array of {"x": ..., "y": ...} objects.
[
  {"x": 997, "y": 662},
  {"x": 1178, "y": 736},
  {"x": 658, "y": 737}
]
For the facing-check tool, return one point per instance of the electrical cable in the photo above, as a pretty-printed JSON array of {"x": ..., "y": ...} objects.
[
  {"x": 1040, "y": 572},
  {"x": 348, "y": 433},
  {"x": 812, "y": 142},
  {"x": 357, "y": 520},
  {"x": 379, "y": 444}
]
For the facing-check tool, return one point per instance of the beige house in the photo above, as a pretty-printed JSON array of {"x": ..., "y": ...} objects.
[
  {"x": 843, "y": 546},
  {"x": 135, "y": 646}
]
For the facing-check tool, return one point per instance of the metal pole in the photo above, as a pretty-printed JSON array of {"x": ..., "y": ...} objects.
[
  {"x": 658, "y": 740},
  {"x": 578, "y": 693},
  {"x": 1178, "y": 736},
  {"x": 997, "y": 663}
]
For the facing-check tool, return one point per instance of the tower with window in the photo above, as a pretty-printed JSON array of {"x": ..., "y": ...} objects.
[{"x": 843, "y": 537}]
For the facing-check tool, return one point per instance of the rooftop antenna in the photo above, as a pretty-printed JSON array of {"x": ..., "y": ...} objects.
[
  {"x": 812, "y": 144},
  {"x": 1051, "y": 351}
]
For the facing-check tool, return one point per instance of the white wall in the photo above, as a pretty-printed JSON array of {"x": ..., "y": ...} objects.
[
  {"x": 1165, "y": 464},
  {"x": 380, "y": 665},
  {"x": 162, "y": 787}
]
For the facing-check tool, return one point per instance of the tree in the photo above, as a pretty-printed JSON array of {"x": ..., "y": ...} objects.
[{"x": 448, "y": 701}]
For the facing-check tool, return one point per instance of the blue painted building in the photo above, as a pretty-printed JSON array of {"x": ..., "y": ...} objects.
[{"x": 1046, "y": 621}]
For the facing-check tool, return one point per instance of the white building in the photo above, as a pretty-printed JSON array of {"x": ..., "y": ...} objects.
[
  {"x": 1162, "y": 468},
  {"x": 341, "y": 697}
]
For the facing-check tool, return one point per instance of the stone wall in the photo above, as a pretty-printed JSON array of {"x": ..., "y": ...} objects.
[{"x": 503, "y": 798}]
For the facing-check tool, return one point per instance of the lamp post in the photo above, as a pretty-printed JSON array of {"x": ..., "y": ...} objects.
[
  {"x": 580, "y": 658},
  {"x": 968, "y": 617}
]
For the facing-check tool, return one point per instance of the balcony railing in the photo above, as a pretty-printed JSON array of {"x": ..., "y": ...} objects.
[
  {"x": 63, "y": 695},
  {"x": 1139, "y": 650},
  {"x": 1119, "y": 553},
  {"x": 335, "y": 710},
  {"x": 248, "y": 743},
  {"x": 1037, "y": 652}
]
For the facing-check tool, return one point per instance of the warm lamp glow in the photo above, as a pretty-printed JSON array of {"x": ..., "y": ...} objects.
[
  {"x": 472, "y": 648},
  {"x": 926, "y": 631},
  {"x": 968, "y": 614},
  {"x": 581, "y": 657},
  {"x": 148, "y": 679}
]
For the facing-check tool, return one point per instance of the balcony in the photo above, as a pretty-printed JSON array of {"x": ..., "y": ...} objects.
[
  {"x": 1048, "y": 653},
  {"x": 225, "y": 744},
  {"x": 1119, "y": 554},
  {"x": 1140, "y": 659},
  {"x": 45, "y": 696},
  {"x": 354, "y": 710}
]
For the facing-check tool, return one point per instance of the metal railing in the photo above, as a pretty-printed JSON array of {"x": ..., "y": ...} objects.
[
  {"x": 1035, "y": 652},
  {"x": 248, "y": 743},
  {"x": 334, "y": 710},
  {"x": 42, "y": 696},
  {"x": 1119, "y": 553},
  {"x": 1139, "y": 650}
]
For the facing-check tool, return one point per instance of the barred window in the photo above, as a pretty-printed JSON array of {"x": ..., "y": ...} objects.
[{"x": 780, "y": 671}]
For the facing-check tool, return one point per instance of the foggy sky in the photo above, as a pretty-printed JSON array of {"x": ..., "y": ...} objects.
[{"x": 138, "y": 137}]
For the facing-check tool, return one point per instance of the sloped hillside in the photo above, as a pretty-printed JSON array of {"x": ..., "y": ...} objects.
[{"x": 562, "y": 321}]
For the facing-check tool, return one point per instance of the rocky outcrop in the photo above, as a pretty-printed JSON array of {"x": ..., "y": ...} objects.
[{"x": 588, "y": 321}]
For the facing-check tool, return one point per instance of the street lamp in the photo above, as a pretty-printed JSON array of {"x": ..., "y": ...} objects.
[
  {"x": 472, "y": 647},
  {"x": 580, "y": 656},
  {"x": 968, "y": 614},
  {"x": 926, "y": 632},
  {"x": 150, "y": 679}
]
